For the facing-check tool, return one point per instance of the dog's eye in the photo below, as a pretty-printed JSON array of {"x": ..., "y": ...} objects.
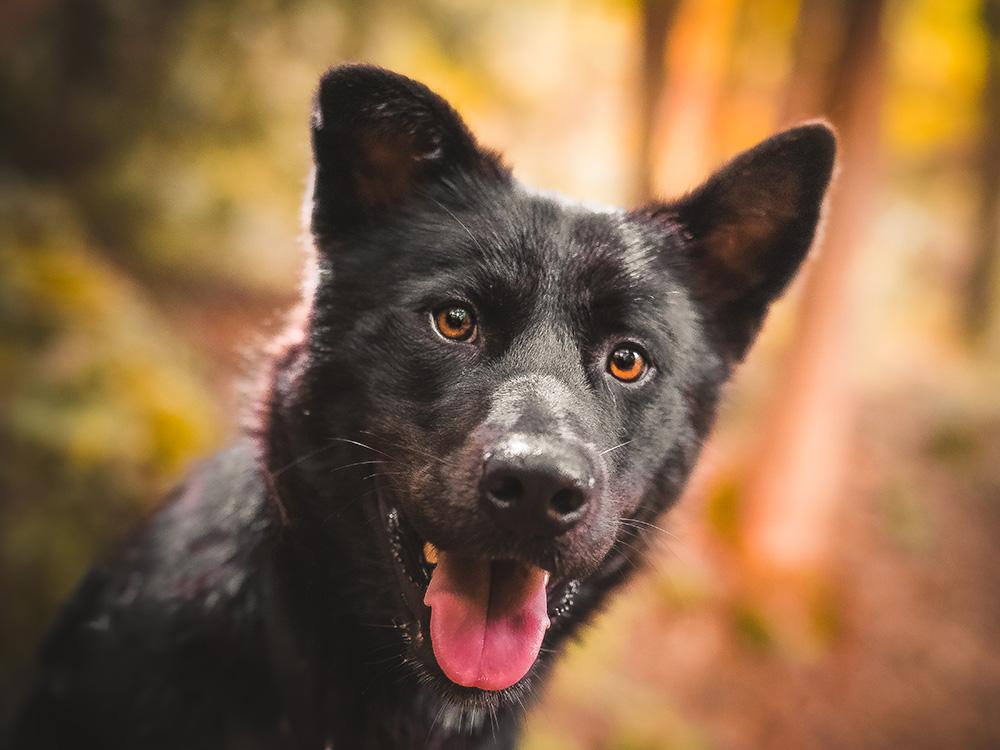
[
  {"x": 627, "y": 363},
  {"x": 456, "y": 323}
]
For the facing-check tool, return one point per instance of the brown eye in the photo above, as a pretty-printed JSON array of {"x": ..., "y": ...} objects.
[
  {"x": 627, "y": 363},
  {"x": 456, "y": 323}
]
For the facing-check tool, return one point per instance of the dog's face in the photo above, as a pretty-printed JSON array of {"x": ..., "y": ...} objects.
[{"x": 534, "y": 378}]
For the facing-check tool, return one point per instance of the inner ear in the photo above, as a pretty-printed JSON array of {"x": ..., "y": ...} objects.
[
  {"x": 387, "y": 167},
  {"x": 379, "y": 139},
  {"x": 749, "y": 226},
  {"x": 740, "y": 223}
]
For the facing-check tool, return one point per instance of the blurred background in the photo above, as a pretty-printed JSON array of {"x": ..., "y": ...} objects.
[{"x": 830, "y": 579}]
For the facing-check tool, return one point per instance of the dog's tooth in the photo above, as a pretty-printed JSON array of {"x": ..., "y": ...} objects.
[{"x": 430, "y": 553}]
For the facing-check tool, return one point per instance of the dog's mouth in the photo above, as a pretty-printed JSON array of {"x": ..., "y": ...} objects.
[{"x": 487, "y": 618}]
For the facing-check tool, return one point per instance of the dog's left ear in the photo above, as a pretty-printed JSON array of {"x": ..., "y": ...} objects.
[
  {"x": 747, "y": 229},
  {"x": 379, "y": 139}
]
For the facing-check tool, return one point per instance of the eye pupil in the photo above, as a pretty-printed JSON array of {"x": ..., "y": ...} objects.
[{"x": 625, "y": 358}]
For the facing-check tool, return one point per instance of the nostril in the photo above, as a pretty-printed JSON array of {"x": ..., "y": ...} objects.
[
  {"x": 567, "y": 501},
  {"x": 505, "y": 489}
]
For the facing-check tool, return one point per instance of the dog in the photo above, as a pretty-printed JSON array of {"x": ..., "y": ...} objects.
[{"x": 490, "y": 396}]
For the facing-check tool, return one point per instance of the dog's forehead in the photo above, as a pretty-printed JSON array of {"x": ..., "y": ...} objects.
[
  {"x": 575, "y": 247},
  {"x": 573, "y": 230}
]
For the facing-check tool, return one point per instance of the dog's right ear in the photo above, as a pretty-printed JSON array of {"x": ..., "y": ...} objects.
[{"x": 379, "y": 139}]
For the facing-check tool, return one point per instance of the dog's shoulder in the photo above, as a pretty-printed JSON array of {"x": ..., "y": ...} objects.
[
  {"x": 188, "y": 569},
  {"x": 198, "y": 549},
  {"x": 176, "y": 609},
  {"x": 194, "y": 554}
]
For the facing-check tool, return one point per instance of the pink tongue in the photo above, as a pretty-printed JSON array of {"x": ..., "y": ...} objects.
[{"x": 488, "y": 619}]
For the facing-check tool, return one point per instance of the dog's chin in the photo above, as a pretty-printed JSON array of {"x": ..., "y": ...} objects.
[{"x": 414, "y": 560}]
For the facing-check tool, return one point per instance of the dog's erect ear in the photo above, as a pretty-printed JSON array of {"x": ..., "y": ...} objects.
[
  {"x": 378, "y": 138},
  {"x": 747, "y": 229}
]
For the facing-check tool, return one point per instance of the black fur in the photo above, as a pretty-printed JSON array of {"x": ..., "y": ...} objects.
[{"x": 262, "y": 607}]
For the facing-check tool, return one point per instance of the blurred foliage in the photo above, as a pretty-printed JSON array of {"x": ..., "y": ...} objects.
[
  {"x": 101, "y": 407},
  {"x": 723, "y": 511},
  {"x": 937, "y": 58},
  {"x": 753, "y": 628},
  {"x": 151, "y": 173},
  {"x": 907, "y": 518},
  {"x": 145, "y": 125}
]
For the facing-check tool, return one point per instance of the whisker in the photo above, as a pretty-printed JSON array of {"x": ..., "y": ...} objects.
[
  {"x": 614, "y": 448},
  {"x": 292, "y": 464},
  {"x": 637, "y": 523},
  {"x": 520, "y": 702},
  {"x": 631, "y": 558},
  {"x": 362, "y": 445},
  {"x": 663, "y": 542},
  {"x": 461, "y": 224},
  {"x": 611, "y": 393},
  {"x": 641, "y": 552},
  {"x": 417, "y": 451},
  {"x": 640, "y": 556},
  {"x": 360, "y": 463},
  {"x": 383, "y": 474},
  {"x": 437, "y": 718},
  {"x": 322, "y": 449},
  {"x": 386, "y": 660}
]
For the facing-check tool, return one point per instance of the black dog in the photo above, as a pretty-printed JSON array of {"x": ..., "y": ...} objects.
[{"x": 491, "y": 394}]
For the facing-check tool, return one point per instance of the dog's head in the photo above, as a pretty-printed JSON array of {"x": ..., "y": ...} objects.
[{"x": 531, "y": 379}]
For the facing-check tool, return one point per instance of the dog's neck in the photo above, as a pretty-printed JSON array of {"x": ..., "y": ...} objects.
[
  {"x": 342, "y": 672},
  {"x": 338, "y": 658}
]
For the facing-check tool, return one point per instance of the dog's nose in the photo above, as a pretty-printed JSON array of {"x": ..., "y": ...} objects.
[{"x": 537, "y": 486}]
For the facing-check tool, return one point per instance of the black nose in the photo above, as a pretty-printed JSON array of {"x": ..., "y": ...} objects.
[{"x": 537, "y": 486}]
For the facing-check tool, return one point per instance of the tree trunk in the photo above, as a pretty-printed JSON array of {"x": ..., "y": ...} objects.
[
  {"x": 983, "y": 280},
  {"x": 700, "y": 47},
  {"x": 795, "y": 486},
  {"x": 657, "y": 17}
]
